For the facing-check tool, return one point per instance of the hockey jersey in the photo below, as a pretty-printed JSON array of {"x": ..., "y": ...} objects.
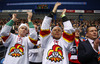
[
  {"x": 35, "y": 55},
  {"x": 17, "y": 52},
  {"x": 55, "y": 50}
]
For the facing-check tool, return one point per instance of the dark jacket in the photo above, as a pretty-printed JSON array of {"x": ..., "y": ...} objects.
[{"x": 86, "y": 54}]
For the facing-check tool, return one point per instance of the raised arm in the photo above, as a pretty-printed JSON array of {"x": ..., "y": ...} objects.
[
  {"x": 45, "y": 28},
  {"x": 32, "y": 31},
  {"x": 51, "y": 14},
  {"x": 5, "y": 32},
  {"x": 69, "y": 32}
]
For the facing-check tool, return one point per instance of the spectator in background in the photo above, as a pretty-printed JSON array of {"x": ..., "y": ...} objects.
[
  {"x": 36, "y": 54},
  {"x": 74, "y": 25},
  {"x": 74, "y": 51},
  {"x": 88, "y": 50},
  {"x": 82, "y": 33},
  {"x": 18, "y": 45}
]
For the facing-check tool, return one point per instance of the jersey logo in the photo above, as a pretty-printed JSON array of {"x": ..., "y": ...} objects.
[
  {"x": 16, "y": 51},
  {"x": 55, "y": 54}
]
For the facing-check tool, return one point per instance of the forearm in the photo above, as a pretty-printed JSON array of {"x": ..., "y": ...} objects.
[
  {"x": 29, "y": 16},
  {"x": 29, "y": 20},
  {"x": 30, "y": 24},
  {"x": 45, "y": 31},
  {"x": 67, "y": 24},
  {"x": 32, "y": 33},
  {"x": 51, "y": 14},
  {"x": 10, "y": 23},
  {"x": 6, "y": 29},
  {"x": 54, "y": 10},
  {"x": 68, "y": 28},
  {"x": 69, "y": 32},
  {"x": 64, "y": 18},
  {"x": 46, "y": 23}
]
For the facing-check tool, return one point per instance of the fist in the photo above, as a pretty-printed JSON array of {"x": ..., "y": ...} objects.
[
  {"x": 58, "y": 4},
  {"x": 14, "y": 17},
  {"x": 29, "y": 14}
]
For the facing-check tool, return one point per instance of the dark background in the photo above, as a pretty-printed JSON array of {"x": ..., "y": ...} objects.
[{"x": 90, "y": 4}]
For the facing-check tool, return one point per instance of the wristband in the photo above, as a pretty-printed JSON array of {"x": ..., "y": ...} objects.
[{"x": 63, "y": 15}]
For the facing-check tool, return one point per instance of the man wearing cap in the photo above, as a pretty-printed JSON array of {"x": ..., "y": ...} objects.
[{"x": 18, "y": 45}]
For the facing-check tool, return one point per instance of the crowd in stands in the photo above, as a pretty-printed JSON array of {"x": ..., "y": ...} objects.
[
  {"x": 60, "y": 40},
  {"x": 82, "y": 25}
]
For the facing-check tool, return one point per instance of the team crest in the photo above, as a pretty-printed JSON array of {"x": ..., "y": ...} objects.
[
  {"x": 55, "y": 54},
  {"x": 17, "y": 50}
]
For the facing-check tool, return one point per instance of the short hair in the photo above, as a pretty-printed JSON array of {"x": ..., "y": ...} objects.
[{"x": 89, "y": 27}]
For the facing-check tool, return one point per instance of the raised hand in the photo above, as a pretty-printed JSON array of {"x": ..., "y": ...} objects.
[
  {"x": 29, "y": 16},
  {"x": 64, "y": 11},
  {"x": 56, "y": 6},
  {"x": 96, "y": 43},
  {"x": 14, "y": 17}
]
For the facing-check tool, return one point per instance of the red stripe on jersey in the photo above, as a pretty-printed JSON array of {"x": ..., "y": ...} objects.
[
  {"x": 33, "y": 41},
  {"x": 4, "y": 38},
  {"x": 44, "y": 33},
  {"x": 68, "y": 37}
]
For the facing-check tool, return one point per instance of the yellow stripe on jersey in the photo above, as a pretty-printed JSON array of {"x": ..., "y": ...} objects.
[
  {"x": 68, "y": 37},
  {"x": 44, "y": 33},
  {"x": 33, "y": 41},
  {"x": 4, "y": 38}
]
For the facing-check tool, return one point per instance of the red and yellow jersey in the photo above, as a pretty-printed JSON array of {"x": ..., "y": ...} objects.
[
  {"x": 17, "y": 52},
  {"x": 56, "y": 51}
]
